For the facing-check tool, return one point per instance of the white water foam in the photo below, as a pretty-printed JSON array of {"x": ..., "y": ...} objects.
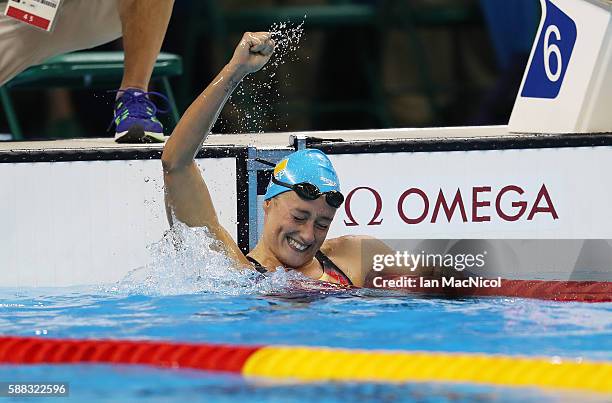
[{"x": 189, "y": 261}]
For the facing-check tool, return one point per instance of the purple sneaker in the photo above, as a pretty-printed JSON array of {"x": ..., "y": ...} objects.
[{"x": 135, "y": 118}]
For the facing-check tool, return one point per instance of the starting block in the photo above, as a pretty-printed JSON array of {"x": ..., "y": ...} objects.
[{"x": 567, "y": 85}]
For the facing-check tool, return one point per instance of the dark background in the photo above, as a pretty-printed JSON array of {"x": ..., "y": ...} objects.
[{"x": 414, "y": 64}]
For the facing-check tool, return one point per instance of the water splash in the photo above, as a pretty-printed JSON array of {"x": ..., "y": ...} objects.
[
  {"x": 287, "y": 38},
  {"x": 252, "y": 103},
  {"x": 189, "y": 261}
]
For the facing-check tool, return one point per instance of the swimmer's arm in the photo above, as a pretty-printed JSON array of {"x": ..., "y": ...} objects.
[
  {"x": 187, "y": 196},
  {"x": 356, "y": 253},
  {"x": 362, "y": 252},
  {"x": 196, "y": 123},
  {"x": 375, "y": 247}
]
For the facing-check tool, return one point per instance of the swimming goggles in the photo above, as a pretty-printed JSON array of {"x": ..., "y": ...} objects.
[{"x": 308, "y": 191}]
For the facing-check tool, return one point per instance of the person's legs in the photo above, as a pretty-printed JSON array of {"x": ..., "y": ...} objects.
[
  {"x": 144, "y": 24},
  {"x": 81, "y": 24}
]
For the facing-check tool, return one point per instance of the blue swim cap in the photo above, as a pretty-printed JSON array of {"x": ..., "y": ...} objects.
[{"x": 311, "y": 166}]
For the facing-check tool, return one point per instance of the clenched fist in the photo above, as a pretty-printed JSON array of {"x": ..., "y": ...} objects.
[{"x": 253, "y": 51}]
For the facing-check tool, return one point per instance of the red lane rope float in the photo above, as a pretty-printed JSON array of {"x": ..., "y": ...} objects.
[
  {"x": 582, "y": 291},
  {"x": 319, "y": 364},
  {"x": 24, "y": 350}
]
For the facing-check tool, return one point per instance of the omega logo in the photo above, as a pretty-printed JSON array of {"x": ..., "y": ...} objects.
[{"x": 446, "y": 207}]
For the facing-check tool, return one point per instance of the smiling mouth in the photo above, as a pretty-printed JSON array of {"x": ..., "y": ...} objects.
[{"x": 300, "y": 247}]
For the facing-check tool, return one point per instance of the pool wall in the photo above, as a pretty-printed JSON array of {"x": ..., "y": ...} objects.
[
  {"x": 83, "y": 211},
  {"x": 73, "y": 217}
]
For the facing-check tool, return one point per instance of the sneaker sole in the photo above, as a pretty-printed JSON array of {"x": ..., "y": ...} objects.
[{"x": 136, "y": 134}]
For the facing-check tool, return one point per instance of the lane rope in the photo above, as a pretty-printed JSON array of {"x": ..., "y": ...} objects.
[{"x": 317, "y": 363}]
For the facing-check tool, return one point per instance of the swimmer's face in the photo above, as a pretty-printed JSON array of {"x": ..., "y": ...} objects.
[{"x": 294, "y": 229}]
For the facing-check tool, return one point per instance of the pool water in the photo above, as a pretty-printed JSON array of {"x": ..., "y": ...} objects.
[
  {"x": 355, "y": 318},
  {"x": 188, "y": 294},
  {"x": 143, "y": 384}
]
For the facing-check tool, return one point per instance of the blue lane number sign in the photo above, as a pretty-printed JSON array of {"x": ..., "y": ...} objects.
[{"x": 552, "y": 55}]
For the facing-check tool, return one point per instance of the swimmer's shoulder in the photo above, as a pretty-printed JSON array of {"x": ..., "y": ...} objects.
[
  {"x": 349, "y": 244},
  {"x": 348, "y": 254}
]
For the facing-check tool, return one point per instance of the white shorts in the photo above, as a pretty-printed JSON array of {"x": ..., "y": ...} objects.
[{"x": 80, "y": 24}]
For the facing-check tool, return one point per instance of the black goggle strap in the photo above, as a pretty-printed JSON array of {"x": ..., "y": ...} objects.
[
  {"x": 271, "y": 164},
  {"x": 280, "y": 183},
  {"x": 268, "y": 163}
]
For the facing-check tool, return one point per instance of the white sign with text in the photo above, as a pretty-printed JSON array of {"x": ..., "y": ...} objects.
[{"x": 554, "y": 193}]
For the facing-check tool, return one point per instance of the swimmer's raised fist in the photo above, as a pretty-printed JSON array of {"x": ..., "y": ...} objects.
[{"x": 253, "y": 51}]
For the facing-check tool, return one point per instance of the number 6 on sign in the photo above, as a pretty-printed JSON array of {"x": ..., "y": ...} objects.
[
  {"x": 552, "y": 49},
  {"x": 552, "y": 54},
  {"x": 567, "y": 81}
]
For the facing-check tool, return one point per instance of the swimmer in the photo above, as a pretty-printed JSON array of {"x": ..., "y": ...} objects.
[{"x": 300, "y": 202}]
